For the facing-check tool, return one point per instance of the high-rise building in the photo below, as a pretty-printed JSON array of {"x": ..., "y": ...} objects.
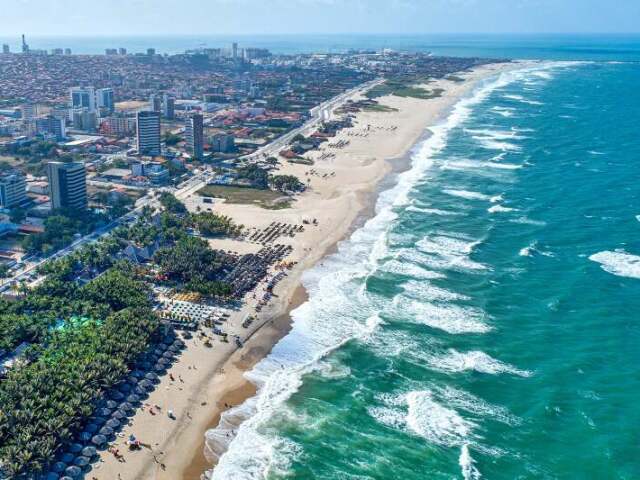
[
  {"x": 155, "y": 102},
  {"x": 57, "y": 51},
  {"x": 6, "y": 49},
  {"x": 119, "y": 125},
  {"x": 168, "y": 106},
  {"x": 84, "y": 119},
  {"x": 234, "y": 50},
  {"x": 67, "y": 51},
  {"x": 151, "y": 52},
  {"x": 28, "y": 112},
  {"x": 13, "y": 189},
  {"x": 148, "y": 133},
  {"x": 51, "y": 125},
  {"x": 104, "y": 99},
  {"x": 25, "y": 47},
  {"x": 194, "y": 136},
  {"x": 122, "y": 51},
  {"x": 82, "y": 97},
  {"x": 67, "y": 185},
  {"x": 110, "y": 51},
  {"x": 222, "y": 143}
]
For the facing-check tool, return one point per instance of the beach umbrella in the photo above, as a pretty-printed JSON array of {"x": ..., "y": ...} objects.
[
  {"x": 174, "y": 348},
  {"x": 163, "y": 361},
  {"x": 146, "y": 384},
  {"x": 85, "y": 436},
  {"x": 137, "y": 374},
  {"x": 59, "y": 467},
  {"x": 160, "y": 368},
  {"x": 98, "y": 421},
  {"x": 106, "y": 431},
  {"x": 103, "y": 412},
  {"x": 119, "y": 415},
  {"x": 133, "y": 398},
  {"x": 158, "y": 351},
  {"x": 81, "y": 461},
  {"x": 151, "y": 376},
  {"x": 89, "y": 452},
  {"x": 75, "y": 448},
  {"x": 140, "y": 391},
  {"x": 146, "y": 365},
  {"x": 73, "y": 471},
  {"x": 99, "y": 440},
  {"x": 116, "y": 395},
  {"x": 113, "y": 423},
  {"x": 132, "y": 380},
  {"x": 91, "y": 428},
  {"x": 126, "y": 406},
  {"x": 52, "y": 476},
  {"x": 66, "y": 477},
  {"x": 111, "y": 404},
  {"x": 124, "y": 388},
  {"x": 67, "y": 457}
]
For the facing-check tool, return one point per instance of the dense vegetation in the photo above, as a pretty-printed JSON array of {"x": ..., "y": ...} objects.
[
  {"x": 171, "y": 204},
  {"x": 44, "y": 402},
  {"x": 59, "y": 230},
  {"x": 212, "y": 225},
  {"x": 286, "y": 183}
]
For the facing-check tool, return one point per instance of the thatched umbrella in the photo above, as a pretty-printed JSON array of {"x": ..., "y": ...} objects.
[
  {"x": 89, "y": 452},
  {"x": 111, "y": 404},
  {"x": 146, "y": 384},
  {"x": 126, "y": 406},
  {"x": 124, "y": 387},
  {"x": 103, "y": 412},
  {"x": 168, "y": 354},
  {"x": 116, "y": 395},
  {"x": 151, "y": 376},
  {"x": 106, "y": 431},
  {"x": 81, "y": 461},
  {"x": 113, "y": 423},
  {"x": 119, "y": 415},
  {"x": 85, "y": 436},
  {"x": 73, "y": 471},
  {"x": 75, "y": 448},
  {"x": 58, "y": 467},
  {"x": 133, "y": 398},
  {"x": 52, "y": 476},
  {"x": 99, "y": 440},
  {"x": 67, "y": 458},
  {"x": 137, "y": 374},
  {"x": 160, "y": 368}
]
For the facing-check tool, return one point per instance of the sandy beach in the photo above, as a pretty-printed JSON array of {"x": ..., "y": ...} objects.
[{"x": 209, "y": 378}]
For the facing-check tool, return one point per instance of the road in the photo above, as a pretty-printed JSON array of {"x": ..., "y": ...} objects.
[{"x": 318, "y": 114}]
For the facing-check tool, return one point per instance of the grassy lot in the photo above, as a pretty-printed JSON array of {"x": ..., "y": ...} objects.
[
  {"x": 245, "y": 195},
  {"x": 379, "y": 108}
]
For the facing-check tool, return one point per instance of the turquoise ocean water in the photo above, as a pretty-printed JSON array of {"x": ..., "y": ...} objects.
[{"x": 485, "y": 322}]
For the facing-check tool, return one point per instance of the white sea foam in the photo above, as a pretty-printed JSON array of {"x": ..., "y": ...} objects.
[
  {"x": 472, "y": 164},
  {"x": 448, "y": 317},
  {"x": 432, "y": 211},
  {"x": 618, "y": 263},
  {"x": 422, "y": 290},
  {"x": 337, "y": 311},
  {"x": 448, "y": 252},
  {"x": 464, "y": 401},
  {"x": 504, "y": 111},
  {"x": 522, "y": 99},
  {"x": 500, "y": 209},
  {"x": 638, "y": 218},
  {"x": 410, "y": 270},
  {"x": 466, "y": 194},
  {"x": 454, "y": 362},
  {"x": 528, "y": 221},
  {"x": 467, "y": 464}
]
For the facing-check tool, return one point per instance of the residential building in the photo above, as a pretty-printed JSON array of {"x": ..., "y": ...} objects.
[
  {"x": 51, "y": 125},
  {"x": 122, "y": 51},
  {"x": 6, "y": 49},
  {"x": 13, "y": 189},
  {"x": 84, "y": 119},
  {"x": 67, "y": 185},
  {"x": 222, "y": 142},
  {"x": 168, "y": 106},
  {"x": 104, "y": 100},
  {"x": 148, "y": 133},
  {"x": 194, "y": 135},
  {"x": 119, "y": 125},
  {"x": 82, "y": 97},
  {"x": 155, "y": 102}
]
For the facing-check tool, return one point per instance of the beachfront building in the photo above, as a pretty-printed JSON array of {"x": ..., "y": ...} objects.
[
  {"x": 194, "y": 135},
  {"x": 67, "y": 185},
  {"x": 148, "y": 133},
  {"x": 13, "y": 190}
]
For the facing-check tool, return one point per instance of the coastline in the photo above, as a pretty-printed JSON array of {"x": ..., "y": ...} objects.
[{"x": 213, "y": 379}]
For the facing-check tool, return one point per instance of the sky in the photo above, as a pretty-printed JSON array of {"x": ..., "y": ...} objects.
[{"x": 179, "y": 17}]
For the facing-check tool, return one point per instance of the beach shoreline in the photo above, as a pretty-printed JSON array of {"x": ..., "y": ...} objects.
[{"x": 208, "y": 381}]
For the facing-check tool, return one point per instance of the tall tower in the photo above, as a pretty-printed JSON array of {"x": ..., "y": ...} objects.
[
  {"x": 25, "y": 47},
  {"x": 193, "y": 132},
  {"x": 148, "y": 136},
  {"x": 67, "y": 185}
]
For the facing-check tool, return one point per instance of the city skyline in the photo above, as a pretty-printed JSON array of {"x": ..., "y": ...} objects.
[{"x": 143, "y": 17}]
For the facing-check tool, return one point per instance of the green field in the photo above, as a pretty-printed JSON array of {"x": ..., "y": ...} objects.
[{"x": 246, "y": 195}]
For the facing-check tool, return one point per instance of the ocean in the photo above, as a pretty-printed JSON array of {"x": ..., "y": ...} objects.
[{"x": 485, "y": 323}]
